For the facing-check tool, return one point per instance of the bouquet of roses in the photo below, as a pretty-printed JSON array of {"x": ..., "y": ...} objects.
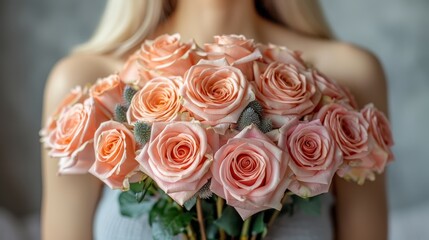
[{"x": 213, "y": 141}]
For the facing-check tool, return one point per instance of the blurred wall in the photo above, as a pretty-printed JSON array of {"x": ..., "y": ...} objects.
[{"x": 35, "y": 34}]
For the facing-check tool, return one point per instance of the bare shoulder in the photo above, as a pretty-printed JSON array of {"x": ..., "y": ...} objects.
[
  {"x": 69, "y": 201},
  {"x": 75, "y": 70},
  {"x": 356, "y": 68},
  {"x": 352, "y": 66}
]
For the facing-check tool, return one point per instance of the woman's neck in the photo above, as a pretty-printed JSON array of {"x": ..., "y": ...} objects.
[{"x": 203, "y": 19}]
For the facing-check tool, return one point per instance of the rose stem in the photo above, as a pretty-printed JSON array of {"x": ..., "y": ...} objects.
[
  {"x": 219, "y": 208},
  {"x": 276, "y": 213},
  {"x": 190, "y": 232},
  {"x": 245, "y": 229},
  {"x": 201, "y": 219}
]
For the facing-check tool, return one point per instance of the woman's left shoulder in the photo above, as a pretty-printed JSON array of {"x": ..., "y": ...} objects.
[
  {"x": 354, "y": 67},
  {"x": 336, "y": 56}
]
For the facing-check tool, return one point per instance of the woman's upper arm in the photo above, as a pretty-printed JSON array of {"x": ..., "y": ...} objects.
[
  {"x": 68, "y": 201},
  {"x": 361, "y": 211}
]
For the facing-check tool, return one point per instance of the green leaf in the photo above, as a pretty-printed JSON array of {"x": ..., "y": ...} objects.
[
  {"x": 137, "y": 187},
  {"x": 190, "y": 203},
  {"x": 130, "y": 207},
  {"x": 209, "y": 211},
  {"x": 230, "y": 221},
  {"x": 157, "y": 210},
  {"x": 159, "y": 232},
  {"x": 310, "y": 206},
  {"x": 140, "y": 189},
  {"x": 170, "y": 222},
  {"x": 258, "y": 225}
]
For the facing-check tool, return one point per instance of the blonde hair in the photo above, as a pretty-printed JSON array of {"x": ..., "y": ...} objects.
[{"x": 126, "y": 23}]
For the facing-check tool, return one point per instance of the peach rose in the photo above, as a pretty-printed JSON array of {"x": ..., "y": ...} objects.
[
  {"x": 379, "y": 127},
  {"x": 349, "y": 129},
  {"x": 72, "y": 139},
  {"x": 76, "y": 95},
  {"x": 315, "y": 157},
  {"x": 380, "y": 142},
  {"x": 134, "y": 71},
  {"x": 237, "y": 50},
  {"x": 167, "y": 55},
  {"x": 157, "y": 101},
  {"x": 178, "y": 158},
  {"x": 215, "y": 92},
  {"x": 273, "y": 53},
  {"x": 114, "y": 154},
  {"x": 107, "y": 92},
  {"x": 332, "y": 91},
  {"x": 285, "y": 90},
  {"x": 250, "y": 172}
]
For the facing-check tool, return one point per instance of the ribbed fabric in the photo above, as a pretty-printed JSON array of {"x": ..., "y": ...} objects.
[{"x": 110, "y": 225}]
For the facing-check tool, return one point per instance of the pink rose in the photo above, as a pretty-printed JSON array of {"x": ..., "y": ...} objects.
[
  {"x": 379, "y": 127},
  {"x": 178, "y": 158},
  {"x": 237, "y": 50},
  {"x": 215, "y": 92},
  {"x": 285, "y": 90},
  {"x": 349, "y": 129},
  {"x": 72, "y": 139},
  {"x": 315, "y": 157},
  {"x": 168, "y": 55},
  {"x": 134, "y": 71},
  {"x": 107, "y": 92},
  {"x": 380, "y": 141},
  {"x": 164, "y": 56},
  {"x": 76, "y": 95},
  {"x": 273, "y": 53},
  {"x": 157, "y": 101},
  {"x": 332, "y": 91},
  {"x": 114, "y": 154},
  {"x": 250, "y": 173}
]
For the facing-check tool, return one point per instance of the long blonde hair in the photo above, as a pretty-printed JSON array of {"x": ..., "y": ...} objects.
[{"x": 126, "y": 23}]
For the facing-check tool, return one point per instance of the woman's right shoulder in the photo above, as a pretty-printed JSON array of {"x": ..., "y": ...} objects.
[
  {"x": 73, "y": 70},
  {"x": 80, "y": 69}
]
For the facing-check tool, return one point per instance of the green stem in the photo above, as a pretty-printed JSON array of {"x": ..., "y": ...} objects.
[
  {"x": 276, "y": 213},
  {"x": 219, "y": 209},
  {"x": 201, "y": 219},
  {"x": 190, "y": 232},
  {"x": 245, "y": 229}
]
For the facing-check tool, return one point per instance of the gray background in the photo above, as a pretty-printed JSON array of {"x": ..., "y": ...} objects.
[{"x": 35, "y": 34}]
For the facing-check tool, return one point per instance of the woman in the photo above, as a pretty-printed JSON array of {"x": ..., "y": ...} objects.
[{"x": 70, "y": 202}]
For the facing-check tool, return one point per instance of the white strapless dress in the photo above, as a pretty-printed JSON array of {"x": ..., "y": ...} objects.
[{"x": 110, "y": 225}]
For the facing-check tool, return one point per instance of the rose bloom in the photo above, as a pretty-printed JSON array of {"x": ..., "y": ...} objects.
[
  {"x": 237, "y": 50},
  {"x": 164, "y": 56},
  {"x": 380, "y": 143},
  {"x": 157, "y": 101},
  {"x": 178, "y": 157},
  {"x": 349, "y": 128},
  {"x": 315, "y": 157},
  {"x": 249, "y": 172},
  {"x": 332, "y": 91},
  {"x": 285, "y": 90},
  {"x": 76, "y": 95},
  {"x": 72, "y": 139},
  {"x": 134, "y": 71},
  {"x": 352, "y": 133},
  {"x": 273, "y": 53},
  {"x": 107, "y": 92},
  {"x": 114, "y": 154},
  {"x": 215, "y": 92}
]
